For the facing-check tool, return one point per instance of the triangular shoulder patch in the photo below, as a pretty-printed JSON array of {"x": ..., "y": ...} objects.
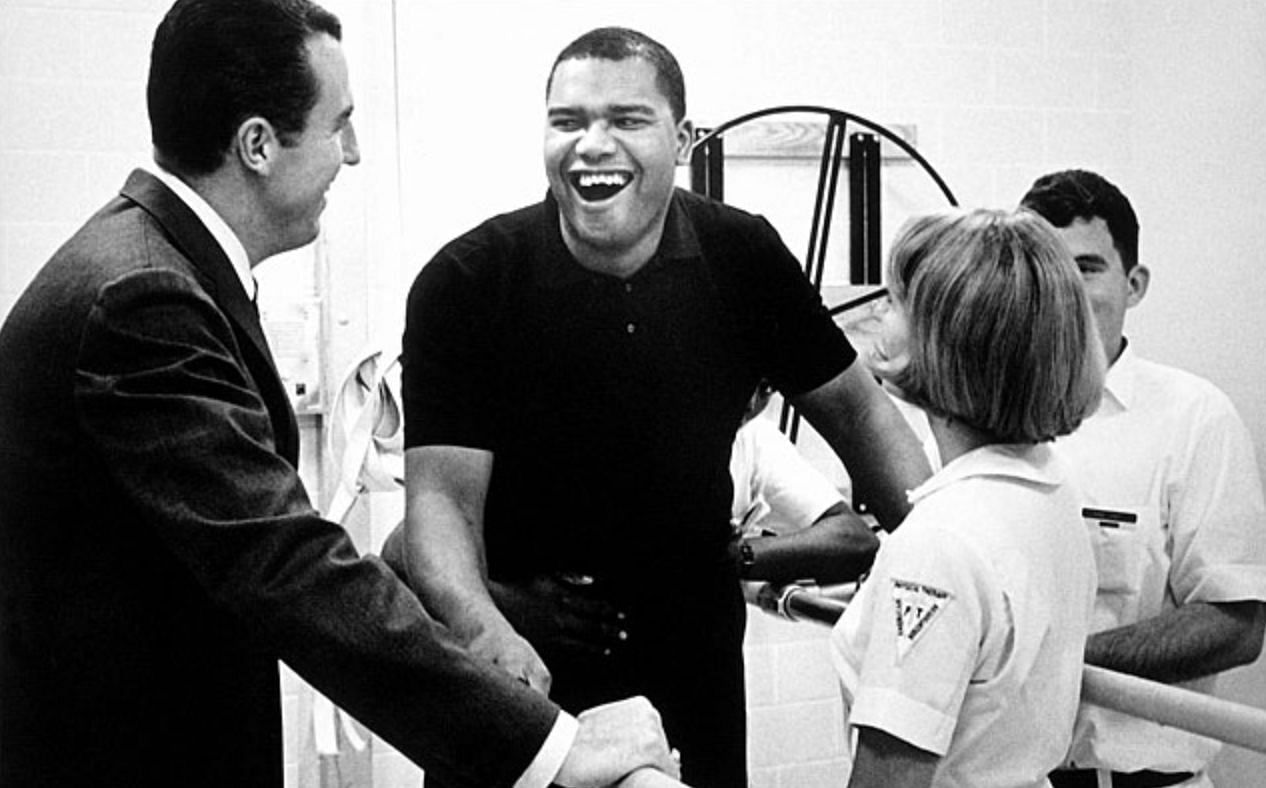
[{"x": 916, "y": 605}]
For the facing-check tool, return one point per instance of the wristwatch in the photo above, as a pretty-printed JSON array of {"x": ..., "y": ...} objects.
[{"x": 746, "y": 559}]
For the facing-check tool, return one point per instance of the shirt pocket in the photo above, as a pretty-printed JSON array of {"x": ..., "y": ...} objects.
[{"x": 1120, "y": 537}]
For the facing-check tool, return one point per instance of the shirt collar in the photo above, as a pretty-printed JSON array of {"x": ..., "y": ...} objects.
[
  {"x": 215, "y": 225},
  {"x": 557, "y": 267},
  {"x": 679, "y": 240},
  {"x": 1120, "y": 383},
  {"x": 1034, "y": 463}
]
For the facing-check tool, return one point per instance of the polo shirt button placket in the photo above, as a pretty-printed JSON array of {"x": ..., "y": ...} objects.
[{"x": 631, "y": 327}]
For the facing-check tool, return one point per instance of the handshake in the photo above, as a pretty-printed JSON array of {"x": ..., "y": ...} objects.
[{"x": 623, "y": 738}]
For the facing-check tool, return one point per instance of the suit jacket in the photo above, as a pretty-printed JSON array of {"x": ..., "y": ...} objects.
[{"x": 158, "y": 553}]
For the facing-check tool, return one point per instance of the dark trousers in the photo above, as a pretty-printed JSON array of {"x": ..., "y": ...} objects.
[
  {"x": 685, "y": 654},
  {"x": 1087, "y": 778},
  {"x": 686, "y": 657}
]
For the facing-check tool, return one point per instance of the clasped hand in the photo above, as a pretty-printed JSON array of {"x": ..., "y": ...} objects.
[{"x": 562, "y": 616}]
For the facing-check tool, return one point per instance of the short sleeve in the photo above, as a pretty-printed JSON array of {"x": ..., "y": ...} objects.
[
  {"x": 446, "y": 383},
  {"x": 798, "y": 344},
  {"x": 1217, "y": 515},
  {"x": 926, "y": 614},
  {"x": 808, "y": 348}
]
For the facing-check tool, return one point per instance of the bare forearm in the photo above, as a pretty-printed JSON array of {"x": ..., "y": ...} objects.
[
  {"x": 881, "y": 453},
  {"x": 1195, "y": 640},
  {"x": 439, "y": 549},
  {"x": 444, "y": 566},
  {"x": 837, "y": 548},
  {"x": 884, "y": 761},
  {"x": 886, "y": 476}
]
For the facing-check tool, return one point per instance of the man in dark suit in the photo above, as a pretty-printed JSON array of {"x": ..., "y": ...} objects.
[{"x": 158, "y": 553}]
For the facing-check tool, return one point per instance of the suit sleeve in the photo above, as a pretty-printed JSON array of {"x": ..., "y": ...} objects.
[{"x": 165, "y": 398}]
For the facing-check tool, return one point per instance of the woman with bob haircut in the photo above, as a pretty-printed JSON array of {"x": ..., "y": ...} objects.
[{"x": 961, "y": 655}]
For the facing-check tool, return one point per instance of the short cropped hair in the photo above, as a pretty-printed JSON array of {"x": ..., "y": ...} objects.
[
  {"x": 216, "y": 63},
  {"x": 1001, "y": 335},
  {"x": 1062, "y": 197},
  {"x": 621, "y": 43}
]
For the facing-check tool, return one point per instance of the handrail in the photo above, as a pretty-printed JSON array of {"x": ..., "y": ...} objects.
[
  {"x": 1234, "y": 723},
  {"x": 1204, "y": 715}
]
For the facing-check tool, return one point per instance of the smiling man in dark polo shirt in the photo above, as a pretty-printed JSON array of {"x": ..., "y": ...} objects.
[{"x": 574, "y": 374}]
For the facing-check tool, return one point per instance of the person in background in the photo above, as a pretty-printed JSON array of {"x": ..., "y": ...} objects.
[
  {"x": 158, "y": 553},
  {"x": 790, "y": 522},
  {"x": 573, "y": 376},
  {"x": 960, "y": 655},
  {"x": 1173, "y": 502}
]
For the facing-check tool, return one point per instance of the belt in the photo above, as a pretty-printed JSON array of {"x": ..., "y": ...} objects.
[{"x": 1088, "y": 778}]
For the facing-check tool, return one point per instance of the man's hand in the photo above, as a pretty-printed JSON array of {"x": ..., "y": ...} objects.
[
  {"x": 561, "y": 616},
  {"x": 614, "y": 740}
]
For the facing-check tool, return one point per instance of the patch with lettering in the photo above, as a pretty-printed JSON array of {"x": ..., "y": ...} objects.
[{"x": 916, "y": 605}]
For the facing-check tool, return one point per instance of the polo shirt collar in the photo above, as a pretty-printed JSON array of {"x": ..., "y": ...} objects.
[
  {"x": 1035, "y": 464},
  {"x": 556, "y": 267}
]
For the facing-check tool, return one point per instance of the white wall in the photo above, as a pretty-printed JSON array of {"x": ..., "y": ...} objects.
[
  {"x": 1198, "y": 181},
  {"x": 1168, "y": 98}
]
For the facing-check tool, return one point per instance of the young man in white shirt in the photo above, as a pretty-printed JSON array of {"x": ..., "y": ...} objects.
[{"x": 1173, "y": 502}]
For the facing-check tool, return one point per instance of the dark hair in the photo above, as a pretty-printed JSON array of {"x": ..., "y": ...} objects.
[
  {"x": 620, "y": 43},
  {"x": 216, "y": 63},
  {"x": 1061, "y": 197}
]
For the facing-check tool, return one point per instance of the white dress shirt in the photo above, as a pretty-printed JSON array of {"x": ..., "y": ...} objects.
[{"x": 219, "y": 229}]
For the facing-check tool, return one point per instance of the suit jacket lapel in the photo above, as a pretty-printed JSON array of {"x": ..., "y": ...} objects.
[{"x": 197, "y": 244}]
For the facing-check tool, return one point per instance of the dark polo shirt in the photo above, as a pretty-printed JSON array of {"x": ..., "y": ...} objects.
[{"x": 610, "y": 406}]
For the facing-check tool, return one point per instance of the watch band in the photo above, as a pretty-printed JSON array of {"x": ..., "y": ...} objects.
[{"x": 747, "y": 559}]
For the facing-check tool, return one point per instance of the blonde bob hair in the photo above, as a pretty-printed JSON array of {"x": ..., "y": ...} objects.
[{"x": 1000, "y": 332}]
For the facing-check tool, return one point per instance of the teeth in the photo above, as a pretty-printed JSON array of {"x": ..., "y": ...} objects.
[{"x": 588, "y": 179}]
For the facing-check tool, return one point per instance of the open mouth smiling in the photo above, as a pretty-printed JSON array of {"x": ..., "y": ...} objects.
[{"x": 600, "y": 185}]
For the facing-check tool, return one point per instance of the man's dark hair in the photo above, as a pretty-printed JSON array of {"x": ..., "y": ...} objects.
[
  {"x": 1062, "y": 197},
  {"x": 620, "y": 43},
  {"x": 216, "y": 63}
]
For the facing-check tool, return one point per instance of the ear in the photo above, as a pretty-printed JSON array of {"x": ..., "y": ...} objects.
[
  {"x": 685, "y": 139},
  {"x": 256, "y": 145},
  {"x": 1137, "y": 281}
]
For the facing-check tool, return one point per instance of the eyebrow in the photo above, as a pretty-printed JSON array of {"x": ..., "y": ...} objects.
[
  {"x": 614, "y": 109},
  {"x": 624, "y": 109},
  {"x": 344, "y": 116},
  {"x": 1091, "y": 258}
]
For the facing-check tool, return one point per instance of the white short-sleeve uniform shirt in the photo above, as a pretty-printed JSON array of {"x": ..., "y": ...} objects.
[
  {"x": 966, "y": 640},
  {"x": 1173, "y": 503}
]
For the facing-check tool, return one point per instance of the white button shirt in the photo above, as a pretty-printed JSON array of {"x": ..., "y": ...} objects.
[
  {"x": 1174, "y": 507},
  {"x": 966, "y": 640}
]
